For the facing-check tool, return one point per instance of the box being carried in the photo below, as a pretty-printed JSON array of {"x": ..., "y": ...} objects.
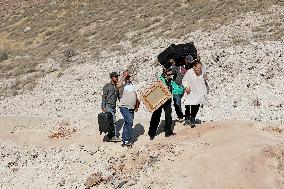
[{"x": 155, "y": 95}]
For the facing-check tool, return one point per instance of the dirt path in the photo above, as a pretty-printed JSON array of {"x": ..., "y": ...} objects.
[{"x": 226, "y": 154}]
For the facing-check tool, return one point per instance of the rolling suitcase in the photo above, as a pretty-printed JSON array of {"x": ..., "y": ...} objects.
[{"x": 105, "y": 121}]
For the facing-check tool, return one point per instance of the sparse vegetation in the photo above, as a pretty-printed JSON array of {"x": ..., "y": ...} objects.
[
  {"x": 95, "y": 26},
  {"x": 64, "y": 130},
  {"x": 3, "y": 56}
]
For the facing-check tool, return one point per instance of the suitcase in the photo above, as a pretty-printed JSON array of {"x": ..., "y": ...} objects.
[{"x": 105, "y": 122}]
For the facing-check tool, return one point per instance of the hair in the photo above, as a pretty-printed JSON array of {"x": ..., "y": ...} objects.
[
  {"x": 168, "y": 69},
  {"x": 196, "y": 62}
]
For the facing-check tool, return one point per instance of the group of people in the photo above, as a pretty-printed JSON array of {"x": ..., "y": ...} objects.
[{"x": 187, "y": 83}]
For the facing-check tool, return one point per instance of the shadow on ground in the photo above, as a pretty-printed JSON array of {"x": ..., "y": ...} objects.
[{"x": 138, "y": 130}]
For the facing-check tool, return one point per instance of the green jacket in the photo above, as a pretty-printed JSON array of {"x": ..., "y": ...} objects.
[{"x": 176, "y": 89}]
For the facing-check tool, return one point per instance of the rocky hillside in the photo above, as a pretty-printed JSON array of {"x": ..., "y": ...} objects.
[{"x": 56, "y": 55}]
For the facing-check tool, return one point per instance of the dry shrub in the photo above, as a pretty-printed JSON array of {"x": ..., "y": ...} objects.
[
  {"x": 272, "y": 129},
  {"x": 3, "y": 55},
  {"x": 256, "y": 103},
  {"x": 68, "y": 53},
  {"x": 276, "y": 153},
  {"x": 95, "y": 179},
  {"x": 64, "y": 130}
]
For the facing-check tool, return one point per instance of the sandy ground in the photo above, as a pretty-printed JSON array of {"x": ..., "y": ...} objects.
[{"x": 229, "y": 154}]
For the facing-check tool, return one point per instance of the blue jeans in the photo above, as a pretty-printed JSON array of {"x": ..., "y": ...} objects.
[
  {"x": 128, "y": 116},
  {"x": 113, "y": 111},
  {"x": 177, "y": 105}
]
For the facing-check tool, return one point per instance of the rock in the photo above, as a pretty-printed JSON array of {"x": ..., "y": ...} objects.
[
  {"x": 49, "y": 66},
  {"x": 27, "y": 29},
  {"x": 120, "y": 185},
  {"x": 69, "y": 53},
  {"x": 3, "y": 56}
]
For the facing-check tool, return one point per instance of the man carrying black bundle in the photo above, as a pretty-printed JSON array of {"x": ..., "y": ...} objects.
[{"x": 166, "y": 77}]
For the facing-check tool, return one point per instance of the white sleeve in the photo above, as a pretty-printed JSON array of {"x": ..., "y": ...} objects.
[{"x": 186, "y": 80}]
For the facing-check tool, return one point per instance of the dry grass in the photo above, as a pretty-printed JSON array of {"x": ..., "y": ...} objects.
[
  {"x": 95, "y": 26},
  {"x": 95, "y": 179},
  {"x": 273, "y": 129}
]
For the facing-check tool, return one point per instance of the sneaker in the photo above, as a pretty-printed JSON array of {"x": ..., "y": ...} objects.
[
  {"x": 169, "y": 134},
  {"x": 126, "y": 143},
  {"x": 198, "y": 121},
  {"x": 115, "y": 139},
  {"x": 106, "y": 138},
  {"x": 192, "y": 122},
  {"x": 180, "y": 120},
  {"x": 129, "y": 144},
  {"x": 187, "y": 117}
]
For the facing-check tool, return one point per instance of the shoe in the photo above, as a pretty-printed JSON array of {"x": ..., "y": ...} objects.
[
  {"x": 198, "y": 121},
  {"x": 192, "y": 122},
  {"x": 127, "y": 143},
  {"x": 106, "y": 138},
  {"x": 187, "y": 118},
  {"x": 115, "y": 139},
  {"x": 180, "y": 120},
  {"x": 152, "y": 137},
  {"x": 169, "y": 134}
]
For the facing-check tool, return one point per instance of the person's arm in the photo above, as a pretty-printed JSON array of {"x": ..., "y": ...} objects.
[
  {"x": 185, "y": 83},
  {"x": 187, "y": 90},
  {"x": 104, "y": 95},
  {"x": 137, "y": 104},
  {"x": 205, "y": 76},
  {"x": 122, "y": 79},
  {"x": 120, "y": 82}
]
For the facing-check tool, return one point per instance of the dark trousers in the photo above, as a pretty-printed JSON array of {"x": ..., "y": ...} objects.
[
  {"x": 113, "y": 128},
  {"x": 191, "y": 111},
  {"x": 155, "y": 119},
  {"x": 177, "y": 105}
]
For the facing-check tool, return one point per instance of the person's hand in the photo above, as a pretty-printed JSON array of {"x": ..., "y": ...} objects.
[
  {"x": 125, "y": 74},
  {"x": 205, "y": 76},
  {"x": 187, "y": 90},
  {"x": 104, "y": 110}
]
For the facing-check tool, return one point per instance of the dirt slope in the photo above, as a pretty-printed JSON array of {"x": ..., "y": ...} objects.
[
  {"x": 55, "y": 58},
  {"x": 214, "y": 155}
]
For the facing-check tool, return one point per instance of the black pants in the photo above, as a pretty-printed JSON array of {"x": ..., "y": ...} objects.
[
  {"x": 155, "y": 119},
  {"x": 191, "y": 111}
]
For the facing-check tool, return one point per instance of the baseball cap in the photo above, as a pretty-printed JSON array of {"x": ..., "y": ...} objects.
[{"x": 113, "y": 74}]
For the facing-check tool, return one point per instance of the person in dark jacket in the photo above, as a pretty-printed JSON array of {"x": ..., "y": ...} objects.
[
  {"x": 109, "y": 99},
  {"x": 167, "y": 106}
]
